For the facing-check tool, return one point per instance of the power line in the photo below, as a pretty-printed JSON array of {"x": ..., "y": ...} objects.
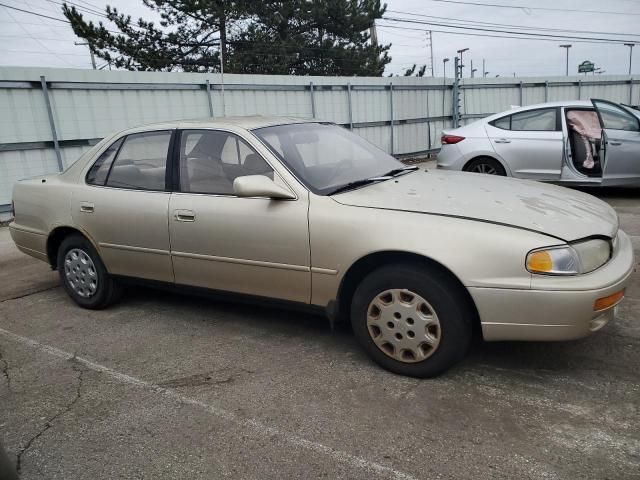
[
  {"x": 526, "y": 8},
  {"x": 524, "y": 27},
  {"x": 489, "y": 35},
  {"x": 548, "y": 35}
]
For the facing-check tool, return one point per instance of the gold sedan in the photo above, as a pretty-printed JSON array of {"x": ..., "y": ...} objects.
[{"x": 308, "y": 213}]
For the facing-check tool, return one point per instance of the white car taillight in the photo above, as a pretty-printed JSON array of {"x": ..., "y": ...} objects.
[{"x": 450, "y": 139}]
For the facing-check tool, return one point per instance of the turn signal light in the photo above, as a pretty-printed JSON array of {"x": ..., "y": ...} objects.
[
  {"x": 540, "y": 261},
  {"x": 608, "y": 301},
  {"x": 450, "y": 139}
]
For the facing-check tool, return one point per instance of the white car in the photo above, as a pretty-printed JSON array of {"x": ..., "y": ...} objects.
[{"x": 575, "y": 143}]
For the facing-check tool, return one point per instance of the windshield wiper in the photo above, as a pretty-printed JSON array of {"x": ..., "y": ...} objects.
[
  {"x": 359, "y": 183},
  {"x": 397, "y": 171},
  {"x": 379, "y": 178}
]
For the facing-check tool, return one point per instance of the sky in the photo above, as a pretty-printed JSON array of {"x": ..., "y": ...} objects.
[{"x": 29, "y": 40}]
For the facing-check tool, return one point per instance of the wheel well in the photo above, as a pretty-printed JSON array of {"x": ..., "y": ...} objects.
[
  {"x": 371, "y": 262},
  {"x": 481, "y": 157},
  {"x": 55, "y": 240}
]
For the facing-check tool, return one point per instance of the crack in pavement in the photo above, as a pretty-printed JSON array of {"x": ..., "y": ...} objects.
[
  {"x": 5, "y": 370},
  {"x": 49, "y": 423},
  {"x": 30, "y": 293}
]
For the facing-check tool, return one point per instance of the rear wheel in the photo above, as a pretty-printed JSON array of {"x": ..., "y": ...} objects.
[
  {"x": 411, "y": 321},
  {"x": 83, "y": 275},
  {"x": 487, "y": 165}
]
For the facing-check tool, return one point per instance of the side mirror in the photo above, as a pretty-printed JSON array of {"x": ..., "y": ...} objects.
[{"x": 259, "y": 186}]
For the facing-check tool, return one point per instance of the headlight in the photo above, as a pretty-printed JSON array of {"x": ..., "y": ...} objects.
[{"x": 581, "y": 257}]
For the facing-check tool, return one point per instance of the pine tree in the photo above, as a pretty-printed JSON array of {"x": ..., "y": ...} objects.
[
  {"x": 296, "y": 37},
  {"x": 319, "y": 37},
  {"x": 189, "y": 37}
]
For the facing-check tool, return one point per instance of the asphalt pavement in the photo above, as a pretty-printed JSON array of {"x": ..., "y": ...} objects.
[{"x": 171, "y": 386}]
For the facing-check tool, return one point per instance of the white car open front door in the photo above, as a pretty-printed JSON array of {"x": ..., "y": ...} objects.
[{"x": 620, "y": 143}]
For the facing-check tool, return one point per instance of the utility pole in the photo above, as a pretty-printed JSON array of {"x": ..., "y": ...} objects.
[
  {"x": 461, "y": 51},
  {"x": 374, "y": 34},
  {"x": 566, "y": 47},
  {"x": 222, "y": 80},
  {"x": 455, "y": 97},
  {"x": 430, "y": 40},
  {"x": 630, "y": 45},
  {"x": 93, "y": 58}
]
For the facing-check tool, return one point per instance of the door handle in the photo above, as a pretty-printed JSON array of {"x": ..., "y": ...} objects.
[
  {"x": 502, "y": 140},
  {"x": 614, "y": 142},
  {"x": 185, "y": 215},
  {"x": 86, "y": 207}
]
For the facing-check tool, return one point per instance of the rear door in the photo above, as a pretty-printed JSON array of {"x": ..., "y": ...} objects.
[
  {"x": 621, "y": 143},
  {"x": 530, "y": 142},
  {"x": 123, "y": 206}
]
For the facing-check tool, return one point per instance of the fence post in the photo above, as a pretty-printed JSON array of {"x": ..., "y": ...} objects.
[
  {"x": 631, "y": 91},
  {"x": 546, "y": 91},
  {"x": 391, "y": 109},
  {"x": 52, "y": 123},
  {"x": 313, "y": 101},
  {"x": 208, "y": 87},
  {"x": 521, "y": 96},
  {"x": 350, "y": 106},
  {"x": 579, "y": 89}
]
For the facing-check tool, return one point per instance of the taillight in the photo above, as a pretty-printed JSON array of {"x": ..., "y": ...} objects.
[{"x": 450, "y": 139}]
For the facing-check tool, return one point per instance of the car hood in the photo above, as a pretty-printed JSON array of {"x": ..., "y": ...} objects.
[{"x": 556, "y": 211}]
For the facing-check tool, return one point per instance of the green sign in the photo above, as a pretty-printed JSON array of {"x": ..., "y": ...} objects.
[{"x": 586, "y": 67}]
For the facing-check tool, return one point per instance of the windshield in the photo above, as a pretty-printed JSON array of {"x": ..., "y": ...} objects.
[{"x": 324, "y": 156}]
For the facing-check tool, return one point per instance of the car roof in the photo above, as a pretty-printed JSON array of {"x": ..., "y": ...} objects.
[
  {"x": 249, "y": 122},
  {"x": 566, "y": 103}
]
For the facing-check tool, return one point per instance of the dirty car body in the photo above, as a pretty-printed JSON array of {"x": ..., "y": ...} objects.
[
  {"x": 582, "y": 143},
  {"x": 308, "y": 213}
]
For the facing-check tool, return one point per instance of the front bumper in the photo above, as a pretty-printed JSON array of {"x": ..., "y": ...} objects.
[{"x": 555, "y": 308}]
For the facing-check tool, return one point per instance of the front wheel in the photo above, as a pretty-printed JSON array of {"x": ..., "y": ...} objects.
[
  {"x": 84, "y": 276},
  {"x": 486, "y": 165},
  {"x": 411, "y": 321}
]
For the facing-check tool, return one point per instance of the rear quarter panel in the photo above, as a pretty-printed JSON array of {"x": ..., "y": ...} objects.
[{"x": 41, "y": 204}]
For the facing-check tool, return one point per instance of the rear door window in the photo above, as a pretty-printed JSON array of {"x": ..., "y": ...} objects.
[
  {"x": 141, "y": 162},
  {"x": 544, "y": 120}
]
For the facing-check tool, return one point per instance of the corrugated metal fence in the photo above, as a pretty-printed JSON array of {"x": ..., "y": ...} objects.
[{"x": 50, "y": 116}]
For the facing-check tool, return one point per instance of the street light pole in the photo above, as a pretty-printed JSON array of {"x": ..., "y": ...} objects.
[
  {"x": 630, "y": 45},
  {"x": 566, "y": 47},
  {"x": 444, "y": 67},
  {"x": 461, "y": 51},
  {"x": 444, "y": 82}
]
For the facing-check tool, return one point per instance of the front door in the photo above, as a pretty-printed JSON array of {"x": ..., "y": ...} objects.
[
  {"x": 621, "y": 143},
  {"x": 530, "y": 142},
  {"x": 256, "y": 246},
  {"x": 123, "y": 206}
]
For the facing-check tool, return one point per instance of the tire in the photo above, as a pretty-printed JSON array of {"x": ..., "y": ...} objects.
[
  {"x": 79, "y": 263},
  {"x": 486, "y": 165},
  {"x": 434, "y": 293}
]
